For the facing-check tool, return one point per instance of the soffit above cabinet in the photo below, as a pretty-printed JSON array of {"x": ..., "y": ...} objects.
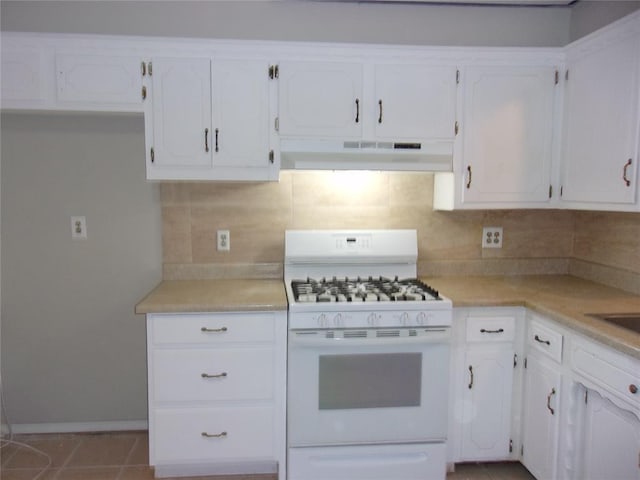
[{"x": 539, "y": 3}]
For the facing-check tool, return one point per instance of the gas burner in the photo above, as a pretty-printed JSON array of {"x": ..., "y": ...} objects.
[{"x": 371, "y": 289}]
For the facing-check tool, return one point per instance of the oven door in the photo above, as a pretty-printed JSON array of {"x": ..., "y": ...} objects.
[{"x": 368, "y": 390}]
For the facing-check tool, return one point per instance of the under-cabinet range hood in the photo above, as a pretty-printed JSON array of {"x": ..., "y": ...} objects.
[{"x": 306, "y": 154}]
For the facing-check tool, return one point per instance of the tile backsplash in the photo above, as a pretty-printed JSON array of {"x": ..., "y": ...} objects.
[{"x": 257, "y": 214}]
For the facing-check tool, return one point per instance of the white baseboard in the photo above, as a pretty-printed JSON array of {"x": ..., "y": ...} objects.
[
  {"x": 218, "y": 468},
  {"x": 70, "y": 427}
]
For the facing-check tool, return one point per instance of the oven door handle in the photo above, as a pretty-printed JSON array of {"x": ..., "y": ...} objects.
[{"x": 437, "y": 336}]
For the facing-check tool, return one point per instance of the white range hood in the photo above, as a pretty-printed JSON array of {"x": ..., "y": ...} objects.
[{"x": 303, "y": 154}]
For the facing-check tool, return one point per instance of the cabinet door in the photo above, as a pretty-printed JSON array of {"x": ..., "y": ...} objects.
[
  {"x": 24, "y": 80},
  {"x": 322, "y": 99},
  {"x": 99, "y": 79},
  {"x": 540, "y": 426},
  {"x": 507, "y": 132},
  {"x": 414, "y": 102},
  {"x": 487, "y": 412},
  {"x": 240, "y": 138},
  {"x": 601, "y": 129},
  {"x": 178, "y": 118},
  {"x": 612, "y": 441}
]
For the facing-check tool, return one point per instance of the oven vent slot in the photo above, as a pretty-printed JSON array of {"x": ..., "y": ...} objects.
[
  {"x": 413, "y": 333},
  {"x": 355, "y": 334},
  {"x": 388, "y": 333},
  {"x": 330, "y": 334}
]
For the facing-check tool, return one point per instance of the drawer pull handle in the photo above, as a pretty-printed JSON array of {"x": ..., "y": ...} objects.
[
  {"x": 471, "y": 378},
  {"x": 484, "y": 330},
  {"x": 217, "y": 375},
  {"x": 213, "y": 330},
  {"x": 214, "y": 435},
  {"x": 553, "y": 392},
  {"x": 538, "y": 339},
  {"x": 633, "y": 388}
]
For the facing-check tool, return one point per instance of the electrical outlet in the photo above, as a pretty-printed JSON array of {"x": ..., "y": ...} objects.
[
  {"x": 224, "y": 241},
  {"x": 492, "y": 237},
  {"x": 79, "y": 228}
]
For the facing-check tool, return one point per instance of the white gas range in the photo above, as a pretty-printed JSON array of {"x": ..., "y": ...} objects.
[{"x": 368, "y": 358}]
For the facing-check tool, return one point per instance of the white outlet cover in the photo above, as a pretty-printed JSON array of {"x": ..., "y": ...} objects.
[
  {"x": 223, "y": 240},
  {"x": 79, "y": 228},
  {"x": 492, "y": 237}
]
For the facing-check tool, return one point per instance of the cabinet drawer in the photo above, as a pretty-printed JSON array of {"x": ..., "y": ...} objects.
[
  {"x": 244, "y": 433},
  {"x": 617, "y": 374},
  {"x": 211, "y": 329},
  {"x": 545, "y": 340},
  {"x": 234, "y": 374},
  {"x": 490, "y": 329}
]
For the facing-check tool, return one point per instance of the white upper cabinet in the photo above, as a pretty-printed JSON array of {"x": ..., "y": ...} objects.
[
  {"x": 98, "y": 80},
  {"x": 209, "y": 120},
  {"x": 242, "y": 125},
  {"x": 356, "y": 100},
  {"x": 24, "y": 82},
  {"x": 601, "y": 119},
  {"x": 178, "y": 118},
  {"x": 504, "y": 159},
  {"x": 322, "y": 99},
  {"x": 414, "y": 102}
]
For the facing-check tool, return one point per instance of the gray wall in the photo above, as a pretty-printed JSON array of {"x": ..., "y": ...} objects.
[
  {"x": 72, "y": 348},
  {"x": 589, "y": 15},
  {"x": 298, "y": 20}
]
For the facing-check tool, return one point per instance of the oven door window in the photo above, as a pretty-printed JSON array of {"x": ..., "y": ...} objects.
[{"x": 369, "y": 380}]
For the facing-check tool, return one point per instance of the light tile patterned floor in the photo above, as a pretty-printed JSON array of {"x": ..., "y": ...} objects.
[{"x": 124, "y": 456}]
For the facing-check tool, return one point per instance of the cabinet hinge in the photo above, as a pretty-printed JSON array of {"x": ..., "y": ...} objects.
[
  {"x": 150, "y": 68},
  {"x": 515, "y": 360},
  {"x": 457, "y": 77},
  {"x": 525, "y": 363},
  {"x": 557, "y": 77},
  {"x": 153, "y": 156},
  {"x": 550, "y": 190},
  {"x": 566, "y": 75},
  {"x": 510, "y": 445},
  {"x": 456, "y": 128},
  {"x": 586, "y": 396},
  {"x": 521, "y": 450},
  {"x": 561, "y": 187},
  {"x": 276, "y": 124},
  {"x": 144, "y": 92},
  {"x": 271, "y": 156}
]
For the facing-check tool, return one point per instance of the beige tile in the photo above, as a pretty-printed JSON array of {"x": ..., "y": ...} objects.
[
  {"x": 451, "y": 236},
  {"x": 57, "y": 447},
  {"x": 178, "y": 193},
  {"x": 102, "y": 450},
  {"x": 277, "y": 195},
  {"x": 176, "y": 234},
  {"x": 137, "y": 473},
  {"x": 89, "y": 473},
  {"x": 28, "y": 474},
  {"x": 341, "y": 188},
  {"x": 139, "y": 454},
  {"x": 411, "y": 189},
  {"x": 344, "y": 217}
]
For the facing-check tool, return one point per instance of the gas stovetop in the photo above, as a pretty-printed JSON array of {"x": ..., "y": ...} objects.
[{"x": 370, "y": 289}]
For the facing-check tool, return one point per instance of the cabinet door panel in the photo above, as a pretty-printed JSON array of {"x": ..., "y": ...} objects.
[
  {"x": 181, "y": 103},
  {"x": 23, "y": 74},
  {"x": 241, "y": 114},
  {"x": 99, "y": 78},
  {"x": 612, "y": 441},
  {"x": 417, "y": 102},
  {"x": 540, "y": 428},
  {"x": 601, "y": 128},
  {"x": 487, "y": 413},
  {"x": 319, "y": 99},
  {"x": 507, "y": 133}
]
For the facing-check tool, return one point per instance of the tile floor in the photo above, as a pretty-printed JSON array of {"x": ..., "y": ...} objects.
[{"x": 124, "y": 456}]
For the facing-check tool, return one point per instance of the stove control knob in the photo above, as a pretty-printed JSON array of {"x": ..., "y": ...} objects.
[
  {"x": 421, "y": 319},
  {"x": 337, "y": 320},
  {"x": 322, "y": 320},
  {"x": 372, "y": 320},
  {"x": 404, "y": 319}
]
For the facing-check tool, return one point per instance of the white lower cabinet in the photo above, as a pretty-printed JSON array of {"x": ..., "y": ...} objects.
[
  {"x": 484, "y": 367},
  {"x": 542, "y": 381},
  {"x": 217, "y": 391}
]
